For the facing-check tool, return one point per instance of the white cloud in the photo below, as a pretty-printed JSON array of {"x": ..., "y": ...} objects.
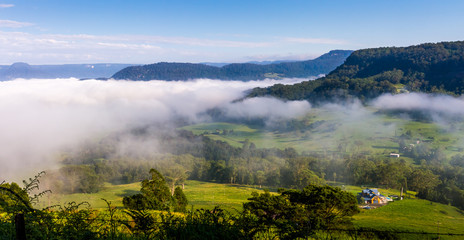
[
  {"x": 128, "y": 46},
  {"x": 143, "y": 49},
  {"x": 443, "y": 104},
  {"x": 6, "y": 5},
  {"x": 14, "y": 24},
  {"x": 316, "y": 41},
  {"x": 275, "y": 57},
  {"x": 137, "y": 49},
  {"x": 268, "y": 108}
]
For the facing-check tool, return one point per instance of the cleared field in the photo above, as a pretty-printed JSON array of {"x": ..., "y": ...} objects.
[
  {"x": 413, "y": 215},
  {"x": 329, "y": 131},
  {"x": 200, "y": 195}
]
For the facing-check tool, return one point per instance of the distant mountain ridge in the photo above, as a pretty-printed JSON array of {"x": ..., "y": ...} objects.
[
  {"x": 235, "y": 71},
  {"x": 367, "y": 73},
  {"x": 221, "y": 64},
  {"x": 24, "y": 70}
]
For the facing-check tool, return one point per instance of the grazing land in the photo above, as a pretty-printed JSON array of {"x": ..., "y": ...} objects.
[
  {"x": 326, "y": 131},
  {"x": 413, "y": 215},
  {"x": 200, "y": 195}
]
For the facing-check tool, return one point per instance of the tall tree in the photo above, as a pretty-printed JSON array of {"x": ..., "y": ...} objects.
[
  {"x": 180, "y": 201},
  {"x": 154, "y": 194},
  {"x": 156, "y": 191}
]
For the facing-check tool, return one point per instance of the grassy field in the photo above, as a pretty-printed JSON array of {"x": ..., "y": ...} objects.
[
  {"x": 413, "y": 215},
  {"x": 327, "y": 131},
  {"x": 200, "y": 195}
]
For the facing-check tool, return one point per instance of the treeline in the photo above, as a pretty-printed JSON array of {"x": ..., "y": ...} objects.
[
  {"x": 367, "y": 73},
  {"x": 236, "y": 71}
]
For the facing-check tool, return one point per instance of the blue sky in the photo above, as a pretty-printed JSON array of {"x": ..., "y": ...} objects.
[{"x": 135, "y": 31}]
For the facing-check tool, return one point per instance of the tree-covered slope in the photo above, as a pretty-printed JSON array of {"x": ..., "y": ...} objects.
[
  {"x": 236, "y": 71},
  {"x": 431, "y": 67}
]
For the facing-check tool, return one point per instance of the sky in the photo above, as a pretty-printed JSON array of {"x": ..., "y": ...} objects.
[{"x": 143, "y": 32}]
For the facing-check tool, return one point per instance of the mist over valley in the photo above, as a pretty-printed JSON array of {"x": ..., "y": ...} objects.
[{"x": 49, "y": 118}]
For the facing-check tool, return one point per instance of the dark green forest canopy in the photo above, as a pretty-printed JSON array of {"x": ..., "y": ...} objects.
[
  {"x": 236, "y": 71},
  {"x": 368, "y": 73}
]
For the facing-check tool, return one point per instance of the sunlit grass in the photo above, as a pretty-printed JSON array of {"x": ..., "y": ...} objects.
[
  {"x": 200, "y": 195},
  {"x": 413, "y": 215}
]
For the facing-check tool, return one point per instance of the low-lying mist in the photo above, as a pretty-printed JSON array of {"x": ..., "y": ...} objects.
[{"x": 40, "y": 118}]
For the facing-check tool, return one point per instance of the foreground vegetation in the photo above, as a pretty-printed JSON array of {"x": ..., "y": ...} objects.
[
  {"x": 288, "y": 215},
  {"x": 262, "y": 216}
]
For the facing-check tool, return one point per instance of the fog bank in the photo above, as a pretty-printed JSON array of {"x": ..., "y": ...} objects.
[{"x": 41, "y": 117}]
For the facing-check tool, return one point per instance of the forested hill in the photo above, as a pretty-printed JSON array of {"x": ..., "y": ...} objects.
[
  {"x": 237, "y": 71},
  {"x": 431, "y": 67}
]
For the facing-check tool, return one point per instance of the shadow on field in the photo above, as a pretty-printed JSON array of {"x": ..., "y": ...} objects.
[
  {"x": 127, "y": 192},
  {"x": 386, "y": 147},
  {"x": 249, "y": 187}
]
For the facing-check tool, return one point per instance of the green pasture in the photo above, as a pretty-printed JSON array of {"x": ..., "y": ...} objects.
[
  {"x": 338, "y": 131},
  {"x": 200, "y": 195},
  {"x": 413, "y": 215}
]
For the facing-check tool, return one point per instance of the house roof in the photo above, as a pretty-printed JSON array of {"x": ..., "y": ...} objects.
[{"x": 371, "y": 191}]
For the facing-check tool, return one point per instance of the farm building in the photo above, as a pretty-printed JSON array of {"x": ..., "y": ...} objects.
[{"x": 373, "y": 196}]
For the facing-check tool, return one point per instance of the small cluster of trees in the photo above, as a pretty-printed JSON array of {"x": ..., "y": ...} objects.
[
  {"x": 301, "y": 213},
  {"x": 155, "y": 194}
]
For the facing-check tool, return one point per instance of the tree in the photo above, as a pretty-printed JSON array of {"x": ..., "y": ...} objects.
[
  {"x": 422, "y": 181},
  {"x": 299, "y": 213},
  {"x": 260, "y": 178},
  {"x": 180, "y": 201},
  {"x": 156, "y": 191},
  {"x": 273, "y": 211},
  {"x": 13, "y": 198},
  {"x": 135, "y": 202},
  {"x": 155, "y": 194},
  {"x": 325, "y": 206},
  {"x": 174, "y": 174}
]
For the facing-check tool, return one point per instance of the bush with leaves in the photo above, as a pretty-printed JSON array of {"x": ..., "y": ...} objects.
[
  {"x": 179, "y": 200},
  {"x": 156, "y": 195},
  {"x": 301, "y": 213},
  {"x": 203, "y": 224}
]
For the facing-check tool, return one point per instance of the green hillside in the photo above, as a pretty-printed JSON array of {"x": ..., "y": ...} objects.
[
  {"x": 368, "y": 73},
  {"x": 324, "y": 130},
  {"x": 413, "y": 215}
]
